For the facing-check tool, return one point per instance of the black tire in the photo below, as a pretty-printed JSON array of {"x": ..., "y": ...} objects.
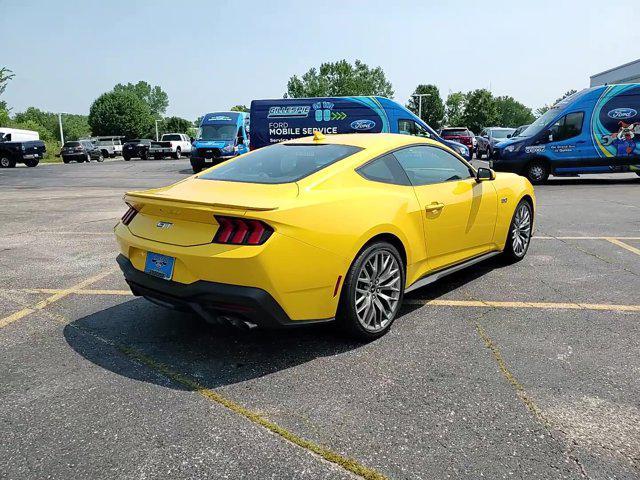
[
  {"x": 7, "y": 162},
  {"x": 178, "y": 153},
  {"x": 126, "y": 158},
  {"x": 513, "y": 253},
  {"x": 105, "y": 153},
  {"x": 144, "y": 155},
  {"x": 348, "y": 316},
  {"x": 100, "y": 158},
  {"x": 537, "y": 172},
  {"x": 31, "y": 163},
  {"x": 65, "y": 160},
  {"x": 197, "y": 169}
]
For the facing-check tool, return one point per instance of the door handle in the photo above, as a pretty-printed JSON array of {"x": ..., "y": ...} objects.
[{"x": 434, "y": 206}]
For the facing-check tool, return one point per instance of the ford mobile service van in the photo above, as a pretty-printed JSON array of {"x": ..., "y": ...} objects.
[
  {"x": 596, "y": 130},
  {"x": 273, "y": 121},
  {"x": 222, "y": 135}
]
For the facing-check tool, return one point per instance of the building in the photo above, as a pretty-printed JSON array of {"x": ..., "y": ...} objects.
[{"x": 627, "y": 73}]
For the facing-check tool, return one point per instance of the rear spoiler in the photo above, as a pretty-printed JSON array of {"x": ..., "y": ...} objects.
[{"x": 131, "y": 198}]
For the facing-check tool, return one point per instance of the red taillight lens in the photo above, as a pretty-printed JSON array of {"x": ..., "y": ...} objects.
[
  {"x": 128, "y": 216},
  {"x": 78, "y": 149},
  {"x": 240, "y": 231}
]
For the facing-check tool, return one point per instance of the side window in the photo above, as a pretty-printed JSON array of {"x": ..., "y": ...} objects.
[
  {"x": 410, "y": 127},
  {"x": 386, "y": 170},
  {"x": 567, "y": 127},
  {"x": 427, "y": 165}
]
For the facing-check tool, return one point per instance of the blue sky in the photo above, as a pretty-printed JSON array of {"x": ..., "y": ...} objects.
[{"x": 210, "y": 55}]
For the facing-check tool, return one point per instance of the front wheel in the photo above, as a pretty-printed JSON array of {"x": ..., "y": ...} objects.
[
  {"x": 31, "y": 163},
  {"x": 372, "y": 292},
  {"x": 519, "y": 235},
  {"x": 638, "y": 173},
  {"x": 537, "y": 172},
  {"x": 144, "y": 155}
]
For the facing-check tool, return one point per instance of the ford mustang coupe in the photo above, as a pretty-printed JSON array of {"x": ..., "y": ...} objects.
[{"x": 320, "y": 229}]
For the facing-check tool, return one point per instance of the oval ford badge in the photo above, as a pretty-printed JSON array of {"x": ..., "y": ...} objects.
[
  {"x": 619, "y": 113},
  {"x": 363, "y": 124}
]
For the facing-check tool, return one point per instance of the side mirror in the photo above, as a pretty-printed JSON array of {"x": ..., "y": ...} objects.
[
  {"x": 549, "y": 135},
  {"x": 484, "y": 174}
]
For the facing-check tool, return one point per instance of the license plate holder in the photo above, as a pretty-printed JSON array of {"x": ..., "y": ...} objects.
[{"x": 159, "y": 265}]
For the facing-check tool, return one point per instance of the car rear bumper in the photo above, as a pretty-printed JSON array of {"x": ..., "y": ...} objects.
[{"x": 216, "y": 302}]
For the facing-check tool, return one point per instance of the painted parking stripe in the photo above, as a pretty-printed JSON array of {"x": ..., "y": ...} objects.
[
  {"x": 626, "y": 246},
  {"x": 538, "y": 305},
  {"x": 57, "y": 295}
]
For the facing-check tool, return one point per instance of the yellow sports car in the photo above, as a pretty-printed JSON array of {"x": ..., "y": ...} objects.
[{"x": 320, "y": 229}]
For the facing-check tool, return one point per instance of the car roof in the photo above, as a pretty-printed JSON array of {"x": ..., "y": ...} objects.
[{"x": 367, "y": 140}]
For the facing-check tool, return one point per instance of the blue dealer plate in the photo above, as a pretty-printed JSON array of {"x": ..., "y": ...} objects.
[{"x": 159, "y": 265}]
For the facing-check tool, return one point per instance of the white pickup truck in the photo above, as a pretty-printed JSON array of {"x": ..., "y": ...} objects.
[{"x": 180, "y": 143}]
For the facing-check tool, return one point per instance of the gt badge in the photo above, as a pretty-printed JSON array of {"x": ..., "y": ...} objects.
[{"x": 164, "y": 224}]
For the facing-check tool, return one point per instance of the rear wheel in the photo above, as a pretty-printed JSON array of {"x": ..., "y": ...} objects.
[
  {"x": 101, "y": 157},
  {"x": 126, "y": 158},
  {"x": 6, "y": 162},
  {"x": 537, "y": 172},
  {"x": 519, "y": 235},
  {"x": 65, "y": 160},
  {"x": 178, "y": 154},
  {"x": 372, "y": 293}
]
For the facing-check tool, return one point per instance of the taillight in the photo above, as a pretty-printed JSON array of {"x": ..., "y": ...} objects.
[
  {"x": 128, "y": 216},
  {"x": 78, "y": 149},
  {"x": 241, "y": 231}
]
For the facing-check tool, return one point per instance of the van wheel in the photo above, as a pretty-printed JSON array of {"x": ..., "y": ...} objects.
[
  {"x": 537, "y": 172},
  {"x": 372, "y": 292},
  {"x": 519, "y": 235},
  {"x": 177, "y": 155}
]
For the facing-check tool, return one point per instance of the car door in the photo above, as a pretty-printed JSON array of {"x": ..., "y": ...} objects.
[
  {"x": 567, "y": 147},
  {"x": 459, "y": 212}
]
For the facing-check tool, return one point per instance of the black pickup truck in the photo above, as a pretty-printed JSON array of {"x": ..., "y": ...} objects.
[
  {"x": 29, "y": 152},
  {"x": 145, "y": 149}
]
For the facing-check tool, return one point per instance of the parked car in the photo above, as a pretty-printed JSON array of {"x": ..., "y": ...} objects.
[
  {"x": 596, "y": 130},
  {"x": 180, "y": 143},
  {"x": 81, "y": 151},
  {"x": 274, "y": 121},
  {"x": 110, "y": 146},
  {"x": 238, "y": 227},
  {"x": 489, "y": 137},
  {"x": 459, "y": 134},
  {"x": 221, "y": 136},
  {"x": 145, "y": 149},
  {"x": 20, "y": 146},
  {"x": 519, "y": 130}
]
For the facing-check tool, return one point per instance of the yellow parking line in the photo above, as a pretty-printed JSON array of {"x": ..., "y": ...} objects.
[
  {"x": 76, "y": 292},
  {"x": 57, "y": 295},
  {"x": 539, "y": 305},
  {"x": 583, "y": 238},
  {"x": 616, "y": 241},
  {"x": 347, "y": 463}
]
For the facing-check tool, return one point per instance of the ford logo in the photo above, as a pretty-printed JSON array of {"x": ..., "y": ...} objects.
[
  {"x": 363, "y": 124},
  {"x": 619, "y": 113}
]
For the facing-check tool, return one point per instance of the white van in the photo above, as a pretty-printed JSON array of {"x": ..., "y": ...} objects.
[{"x": 17, "y": 135}]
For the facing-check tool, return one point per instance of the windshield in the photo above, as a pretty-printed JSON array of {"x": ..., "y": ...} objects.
[
  {"x": 502, "y": 133},
  {"x": 541, "y": 122},
  {"x": 282, "y": 163},
  {"x": 216, "y": 132}
]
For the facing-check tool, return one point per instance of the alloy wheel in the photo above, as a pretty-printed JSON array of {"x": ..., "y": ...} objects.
[
  {"x": 4, "y": 162},
  {"x": 536, "y": 172},
  {"x": 378, "y": 291},
  {"x": 521, "y": 230}
]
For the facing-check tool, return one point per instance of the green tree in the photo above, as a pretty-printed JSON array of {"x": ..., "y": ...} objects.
[
  {"x": 432, "y": 106},
  {"x": 239, "y": 108},
  {"x": 542, "y": 110},
  {"x": 341, "y": 78},
  {"x": 121, "y": 113},
  {"x": 480, "y": 110},
  {"x": 177, "y": 125},
  {"x": 4, "y": 113},
  {"x": 73, "y": 126},
  {"x": 5, "y": 76},
  {"x": 512, "y": 113},
  {"x": 454, "y": 108},
  {"x": 153, "y": 96}
]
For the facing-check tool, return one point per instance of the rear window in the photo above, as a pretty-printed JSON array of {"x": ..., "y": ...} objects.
[
  {"x": 281, "y": 163},
  {"x": 71, "y": 144},
  {"x": 455, "y": 131},
  {"x": 167, "y": 138}
]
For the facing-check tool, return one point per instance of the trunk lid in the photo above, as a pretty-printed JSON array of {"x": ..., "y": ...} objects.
[{"x": 183, "y": 213}]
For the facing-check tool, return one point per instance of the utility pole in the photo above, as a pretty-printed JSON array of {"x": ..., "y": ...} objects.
[
  {"x": 60, "y": 124},
  {"x": 156, "y": 130},
  {"x": 420, "y": 95}
]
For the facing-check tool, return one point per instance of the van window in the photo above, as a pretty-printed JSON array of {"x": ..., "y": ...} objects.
[
  {"x": 410, "y": 127},
  {"x": 567, "y": 127},
  {"x": 427, "y": 165},
  {"x": 386, "y": 170},
  {"x": 281, "y": 163}
]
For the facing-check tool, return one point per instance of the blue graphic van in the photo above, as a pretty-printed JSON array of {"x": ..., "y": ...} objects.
[
  {"x": 221, "y": 135},
  {"x": 273, "y": 121},
  {"x": 596, "y": 130}
]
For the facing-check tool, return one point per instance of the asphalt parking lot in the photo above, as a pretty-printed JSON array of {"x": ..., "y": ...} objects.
[{"x": 525, "y": 371}]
